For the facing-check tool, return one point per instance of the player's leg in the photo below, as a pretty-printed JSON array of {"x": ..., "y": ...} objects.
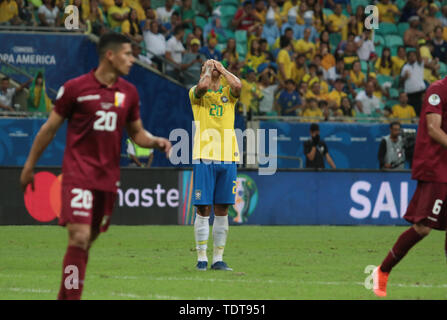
[
  {"x": 422, "y": 212},
  {"x": 75, "y": 262},
  {"x": 225, "y": 193},
  {"x": 203, "y": 186},
  {"x": 220, "y": 233},
  {"x": 404, "y": 243}
]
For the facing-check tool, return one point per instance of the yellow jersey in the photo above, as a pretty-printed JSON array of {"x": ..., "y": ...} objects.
[
  {"x": 406, "y": 112},
  {"x": 8, "y": 10},
  {"x": 214, "y": 113}
]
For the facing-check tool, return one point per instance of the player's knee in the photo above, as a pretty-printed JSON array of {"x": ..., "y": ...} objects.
[
  {"x": 204, "y": 211},
  {"x": 422, "y": 230},
  {"x": 221, "y": 209},
  {"x": 80, "y": 238}
]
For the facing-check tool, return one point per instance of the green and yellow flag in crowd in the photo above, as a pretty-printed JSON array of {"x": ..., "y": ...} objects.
[{"x": 38, "y": 99}]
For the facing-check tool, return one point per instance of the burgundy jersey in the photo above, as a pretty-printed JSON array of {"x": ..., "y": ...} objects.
[
  {"x": 430, "y": 158},
  {"x": 96, "y": 116}
]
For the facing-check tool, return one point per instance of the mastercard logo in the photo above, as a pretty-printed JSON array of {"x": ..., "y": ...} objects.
[{"x": 44, "y": 203}]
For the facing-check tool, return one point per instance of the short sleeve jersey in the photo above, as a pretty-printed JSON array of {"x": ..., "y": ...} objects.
[
  {"x": 430, "y": 158},
  {"x": 96, "y": 116},
  {"x": 214, "y": 114}
]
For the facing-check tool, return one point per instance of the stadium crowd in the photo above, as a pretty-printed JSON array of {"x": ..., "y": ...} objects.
[{"x": 308, "y": 58}]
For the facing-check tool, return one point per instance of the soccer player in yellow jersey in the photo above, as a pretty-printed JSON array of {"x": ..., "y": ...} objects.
[{"x": 215, "y": 153}]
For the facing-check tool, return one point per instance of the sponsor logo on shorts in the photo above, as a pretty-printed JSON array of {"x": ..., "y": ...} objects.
[
  {"x": 198, "y": 194},
  {"x": 81, "y": 213}
]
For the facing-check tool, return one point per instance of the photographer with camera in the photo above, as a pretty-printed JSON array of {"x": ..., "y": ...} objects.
[
  {"x": 316, "y": 150},
  {"x": 392, "y": 151}
]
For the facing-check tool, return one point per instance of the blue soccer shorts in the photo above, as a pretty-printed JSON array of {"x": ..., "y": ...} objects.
[{"x": 214, "y": 183}]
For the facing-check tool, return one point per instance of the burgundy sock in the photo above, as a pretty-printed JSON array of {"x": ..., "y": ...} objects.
[
  {"x": 405, "y": 242},
  {"x": 73, "y": 273},
  {"x": 445, "y": 246}
]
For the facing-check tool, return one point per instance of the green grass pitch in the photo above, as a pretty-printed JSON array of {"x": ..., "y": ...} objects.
[{"x": 282, "y": 262}]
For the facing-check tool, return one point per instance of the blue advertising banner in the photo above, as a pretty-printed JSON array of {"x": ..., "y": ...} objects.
[
  {"x": 16, "y": 138},
  {"x": 351, "y": 145},
  {"x": 313, "y": 198},
  {"x": 60, "y": 56}
]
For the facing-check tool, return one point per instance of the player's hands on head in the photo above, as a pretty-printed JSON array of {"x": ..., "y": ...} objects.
[
  {"x": 218, "y": 66},
  {"x": 27, "y": 177}
]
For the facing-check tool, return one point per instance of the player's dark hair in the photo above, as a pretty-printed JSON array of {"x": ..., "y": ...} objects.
[
  {"x": 394, "y": 123},
  {"x": 111, "y": 41},
  {"x": 5, "y": 79}
]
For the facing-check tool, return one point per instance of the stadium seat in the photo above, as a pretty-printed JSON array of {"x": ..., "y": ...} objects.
[
  {"x": 235, "y": 3},
  {"x": 334, "y": 39},
  {"x": 401, "y": 3},
  {"x": 387, "y": 29},
  {"x": 241, "y": 36},
  {"x": 241, "y": 50},
  {"x": 382, "y": 79},
  {"x": 364, "y": 66},
  {"x": 226, "y": 21},
  {"x": 230, "y": 33},
  {"x": 378, "y": 50},
  {"x": 402, "y": 27},
  {"x": 393, "y": 51},
  {"x": 221, "y": 47},
  {"x": 187, "y": 32},
  {"x": 442, "y": 69},
  {"x": 228, "y": 10},
  {"x": 378, "y": 39},
  {"x": 394, "y": 93},
  {"x": 391, "y": 102},
  {"x": 393, "y": 41},
  {"x": 200, "y": 21},
  {"x": 327, "y": 11}
]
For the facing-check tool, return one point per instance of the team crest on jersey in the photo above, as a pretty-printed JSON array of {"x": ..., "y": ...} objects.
[
  {"x": 119, "y": 99},
  {"x": 106, "y": 105},
  {"x": 224, "y": 99},
  {"x": 434, "y": 99},
  {"x": 198, "y": 194}
]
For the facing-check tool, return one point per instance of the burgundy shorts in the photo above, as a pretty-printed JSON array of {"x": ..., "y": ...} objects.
[
  {"x": 428, "y": 205},
  {"x": 86, "y": 206}
]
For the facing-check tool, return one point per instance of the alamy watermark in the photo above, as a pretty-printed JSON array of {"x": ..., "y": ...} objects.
[
  {"x": 261, "y": 147},
  {"x": 72, "y": 20}
]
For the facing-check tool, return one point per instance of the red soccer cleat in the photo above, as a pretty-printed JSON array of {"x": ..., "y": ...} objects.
[{"x": 380, "y": 280}]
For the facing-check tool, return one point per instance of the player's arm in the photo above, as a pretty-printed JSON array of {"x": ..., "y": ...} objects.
[
  {"x": 42, "y": 140},
  {"x": 310, "y": 153},
  {"x": 434, "y": 121},
  {"x": 205, "y": 79},
  {"x": 144, "y": 139},
  {"x": 233, "y": 81}
]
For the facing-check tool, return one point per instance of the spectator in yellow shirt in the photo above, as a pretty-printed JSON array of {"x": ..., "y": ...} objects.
[
  {"x": 399, "y": 61},
  {"x": 323, "y": 84},
  {"x": 250, "y": 93},
  {"x": 337, "y": 21},
  {"x": 255, "y": 56},
  {"x": 357, "y": 76},
  {"x": 403, "y": 111},
  {"x": 299, "y": 68},
  {"x": 315, "y": 92},
  {"x": 260, "y": 10},
  {"x": 304, "y": 46},
  {"x": 131, "y": 27},
  {"x": 337, "y": 94},
  {"x": 311, "y": 75},
  {"x": 9, "y": 12},
  {"x": 117, "y": 14},
  {"x": 384, "y": 64},
  {"x": 283, "y": 59},
  {"x": 387, "y": 11},
  {"x": 312, "y": 111},
  {"x": 328, "y": 60}
]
